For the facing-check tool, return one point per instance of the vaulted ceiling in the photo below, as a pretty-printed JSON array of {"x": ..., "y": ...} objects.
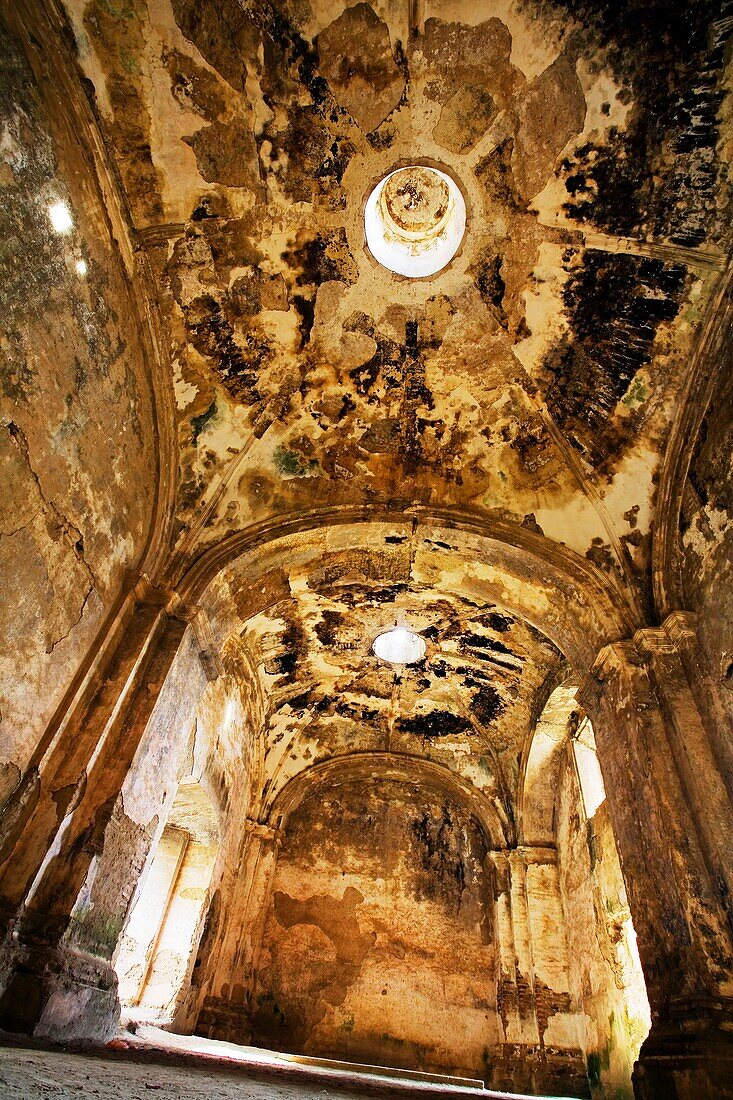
[{"x": 531, "y": 382}]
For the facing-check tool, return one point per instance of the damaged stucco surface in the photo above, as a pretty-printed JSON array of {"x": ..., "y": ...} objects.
[
  {"x": 371, "y": 952},
  {"x": 534, "y": 378},
  {"x": 77, "y": 449},
  {"x": 496, "y": 431},
  {"x": 707, "y": 537}
]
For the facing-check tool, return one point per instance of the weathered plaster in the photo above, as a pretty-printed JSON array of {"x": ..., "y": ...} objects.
[{"x": 76, "y": 424}]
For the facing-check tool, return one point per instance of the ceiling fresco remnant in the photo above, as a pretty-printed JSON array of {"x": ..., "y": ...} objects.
[
  {"x": 423, "y": 293},
  {"x": 531, "y": 379}
]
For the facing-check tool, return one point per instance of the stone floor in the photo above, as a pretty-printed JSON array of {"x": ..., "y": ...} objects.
[
  {"x": 54, "y": 1075},
  {"x": 141, "y": 1074}
]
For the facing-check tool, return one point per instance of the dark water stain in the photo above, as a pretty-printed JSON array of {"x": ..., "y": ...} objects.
[
  {"x": 490, "y": 284},
  {"x": 496, "y": 177},
  {"x": 294, "y": 642},
  {"x": 436, "y": 723},
  {"x": 615, "y": 306},
  {"x": 487, "y": 704},
  {"x": 495, "y": 620},
  {"x": 327, "y": 631},
  {"x": 358, "y": 595},
  {"x": 306, "y": 310},
  {"x": 481, "y": 642},
  {"x": 661, "y": 174},
  {"x": 237, "y": 365}
]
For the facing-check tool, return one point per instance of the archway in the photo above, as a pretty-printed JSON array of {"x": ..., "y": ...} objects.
[
  {"x": 374, "y": 950},
  {"x": 563, "y": 802}
]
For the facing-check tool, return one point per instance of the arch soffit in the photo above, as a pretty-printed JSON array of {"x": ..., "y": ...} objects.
[
  {"x": 402, "y": 767},
  {"x": 541, "y": 762},
  {"x": 705, "y": 369},
  {"x": 561, "y": 594}
]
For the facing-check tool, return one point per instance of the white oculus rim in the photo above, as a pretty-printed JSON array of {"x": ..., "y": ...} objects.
[
  {"x": 414, "y": 221},
  {"x": 399, "y": 646}
]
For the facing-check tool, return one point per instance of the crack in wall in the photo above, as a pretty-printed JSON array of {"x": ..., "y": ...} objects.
[{"x": 69, "y": 532}]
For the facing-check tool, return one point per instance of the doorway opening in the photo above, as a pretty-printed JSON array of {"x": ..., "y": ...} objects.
[{"x": 157, "y": 950}]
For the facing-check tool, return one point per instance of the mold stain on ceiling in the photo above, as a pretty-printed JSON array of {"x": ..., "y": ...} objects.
[{"x": 531, "y": 381}]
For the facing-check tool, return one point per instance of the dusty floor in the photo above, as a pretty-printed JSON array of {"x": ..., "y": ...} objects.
[
  {"x": 40, "y": 1075},
  {"x": 36, "y": 1074}
]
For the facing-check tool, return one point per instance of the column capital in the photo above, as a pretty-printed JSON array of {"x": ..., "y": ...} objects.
[
  {"x": 611, "y": 660},
  {"x": 175, "y": 608},
  {"x": 523, "y": 854},
  {"x": 537, "y": 853},
  {"x": 261, "y": 830},
  {"x": 151, "y": 594},
  {"x": 677, "y": 631}
]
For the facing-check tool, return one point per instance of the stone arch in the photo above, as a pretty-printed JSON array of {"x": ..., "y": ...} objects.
[
  {"x": 705, "y": 369},
  {"x": 561, "y": 594},
  {"x": 389, "y": 765}
]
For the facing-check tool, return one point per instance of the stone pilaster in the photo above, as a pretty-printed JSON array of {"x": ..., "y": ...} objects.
[
  {"x": 522, "y": 934},
  {"x": 49, "y": 985},
  {"x": 672, "y": 819},
  {"x": 231, "y": 964}
]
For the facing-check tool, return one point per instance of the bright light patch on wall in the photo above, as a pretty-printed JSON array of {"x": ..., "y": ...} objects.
[
  {"x": 81, "y": 267},
  {"x": 399, "y": 646},
  {"x": 589, "y": 770},
  {"x": 414, "y": 221},
  {"x": 60, "y": 217}
]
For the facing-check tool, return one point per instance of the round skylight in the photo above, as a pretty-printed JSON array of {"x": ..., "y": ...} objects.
[
  {"x": 414, "y": 221},
  {"x": 60, "y": 217},
  {"x": 399, "y": 646}
]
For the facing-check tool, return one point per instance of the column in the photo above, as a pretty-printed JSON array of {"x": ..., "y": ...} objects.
[
  {"x": 672, "y": 822},
  {"x": 229, "y": 952},
  {"x": 49, "y": 985},
  {"x": 54, "y": 784},
  {"x": 521, "y": 927}
]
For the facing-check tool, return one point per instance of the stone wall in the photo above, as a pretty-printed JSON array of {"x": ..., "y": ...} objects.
[
  {"x": 606, "y": 976},
  {"x": 379, "y": 945},
  {"x": 707, "y": 537},
  {"x": 77, "y": 449},
  {"x": 393, "y": 935}
]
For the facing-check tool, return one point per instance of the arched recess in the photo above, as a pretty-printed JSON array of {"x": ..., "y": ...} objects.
[
  {"x": 575, "y": 604},
  {"x": 157, "y": 949},
  {"x": 542, "y": 764},
  {"x": 363, "y": 766},
  {"x": 562, "y": 803},
  {"x": 379, "y": 937}
]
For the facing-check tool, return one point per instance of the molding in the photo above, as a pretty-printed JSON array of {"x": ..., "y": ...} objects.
[
  {"x": 706, "y": 366},
  {"x": 533, "y": 854},
  {"x": 676, "y": 634},
  {"x": 611, "y": 659},
  {"x": 262, "y": 831}
]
